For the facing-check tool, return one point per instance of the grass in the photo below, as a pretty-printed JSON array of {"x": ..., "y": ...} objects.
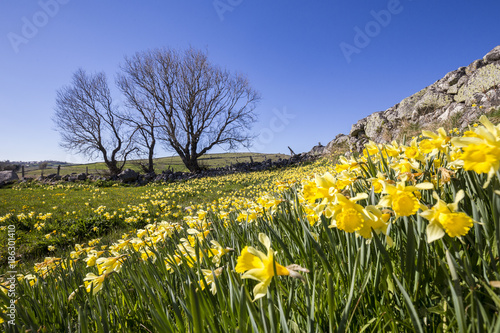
[
  {"x": 68, "y": 213},
  {"x": 163, "y": 163},
  {"x": 408, "y": 129}
]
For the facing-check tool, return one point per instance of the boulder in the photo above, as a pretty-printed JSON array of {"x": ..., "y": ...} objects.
[
  {"x": 53, "y": 177},
  {"x": 404, "y": 110},
  {"x": 453, "y": 90},
  {"x": 450, "y": 79},
  {"x": 482, "y": 80},
  {"x": 81, "y": 176},
  {"x": 431, "y": 101},
  {"x": 451, "y": 110},
  {"x": 317, "y": 150},
  {"x": 8, "y": 177},
  {"x": 358, "y": 128},
  {"x": 375, "y": 124},
  {"x": 128, "y": 176},
  {"x": 474, "y": 66},
  {"x": 493, "y": 55}
]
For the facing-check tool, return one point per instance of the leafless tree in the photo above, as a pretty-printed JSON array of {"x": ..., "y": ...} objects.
[
  {"x": 142, "y": 114},
  {"x": 89, "y": 122},
  {"x": 197, "y": 105}
]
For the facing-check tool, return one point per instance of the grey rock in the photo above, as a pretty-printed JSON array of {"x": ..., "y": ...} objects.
[
  {"x": 317, "y": 150},
  {"x": 477, "y": 64},
  {"x": 7, "y": 177},
  {"x": 451, "y": 110},
  {"x": 431, "y": 101},
  {"x": 493, "y": 55},
  {"x": 453, "y": 90},
  {"x": 54, "y": 177},
  {"x": 128, "y": 176},
  {"x": 462, "y": 81},
  {"x": 449, "y": 80},
  {"x": 375, "y": 125},
  {"x": 482, "y": 80},
  {"x": 81, "y": 176},
  {"x": 358, "y": 128},
  {"x": 405, "y": 109}
]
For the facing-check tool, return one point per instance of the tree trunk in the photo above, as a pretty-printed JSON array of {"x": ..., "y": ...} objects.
[
  {"x": 113, "y": 168},
  {"x": 151, "y": 168},
  {"x": 192, "y": 164}
]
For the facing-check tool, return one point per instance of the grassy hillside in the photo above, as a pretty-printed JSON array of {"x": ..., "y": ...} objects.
[{"x": 162, "y": 163}]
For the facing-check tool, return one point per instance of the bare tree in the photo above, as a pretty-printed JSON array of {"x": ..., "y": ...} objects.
[
  {"x": 143, "y": 115},
  {"x": 198, "y": 105},
  {"x": 89, "y": 122}
]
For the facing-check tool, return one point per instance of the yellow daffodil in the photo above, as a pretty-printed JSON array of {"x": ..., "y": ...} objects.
[
  {"x": 48, "y": 265},
  {"x": 310, "y": 191},
  {"x": 481, "y": 153},
  {"x": 258, "y": 266},
  {"x": 31, "y": 279},
  {"x": 371, "y": 148},
  {"x": 392, "y": 150},
  {"x": 376, "y": 220},
  {"x": 346, "y": 214},
  {"x": 401, "y": 198},
  {"x": 94, "y": 282},
  {"x": 444, "y": 217},
  {"x": 436, "y": 142},
  {"x": 217, "y": 251},
  {"x": 326, "y": 186},
  {"x": 378, "y": 183},
  {"x": 92, "y": 257},
  {"x": 209, "y": 276},
  {"x": 111, "y": 264},
  {"x": 412, "y": 152}
]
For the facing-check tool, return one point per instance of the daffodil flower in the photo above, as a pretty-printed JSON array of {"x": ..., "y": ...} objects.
[
  {"x": 346, "y": 214},
  {"x": 326, "y": 185},
  {"x": 260, "y": 267},
  {"x": 376, "y": 221},
  {"x": 371, "y": 148},
  {"x": 111, "y": 264},
  {"x": 217, "y": 251},
  {"x": 94, "y": 282},
  {"x": 437, "y": 142},
  {"x": 209, "y": 276},
  {"x": 412, "y": 152},
  {"x": 481, "y": 153},
  {"x": 444, "y": 217},
  {"x": 401, "y": 198}
]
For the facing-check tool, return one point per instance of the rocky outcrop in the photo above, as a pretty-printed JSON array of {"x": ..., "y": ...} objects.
[{"x": 460, "y": 97}]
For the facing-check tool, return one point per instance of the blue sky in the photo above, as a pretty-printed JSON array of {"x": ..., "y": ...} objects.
[{"x": 293, "y": 52}]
